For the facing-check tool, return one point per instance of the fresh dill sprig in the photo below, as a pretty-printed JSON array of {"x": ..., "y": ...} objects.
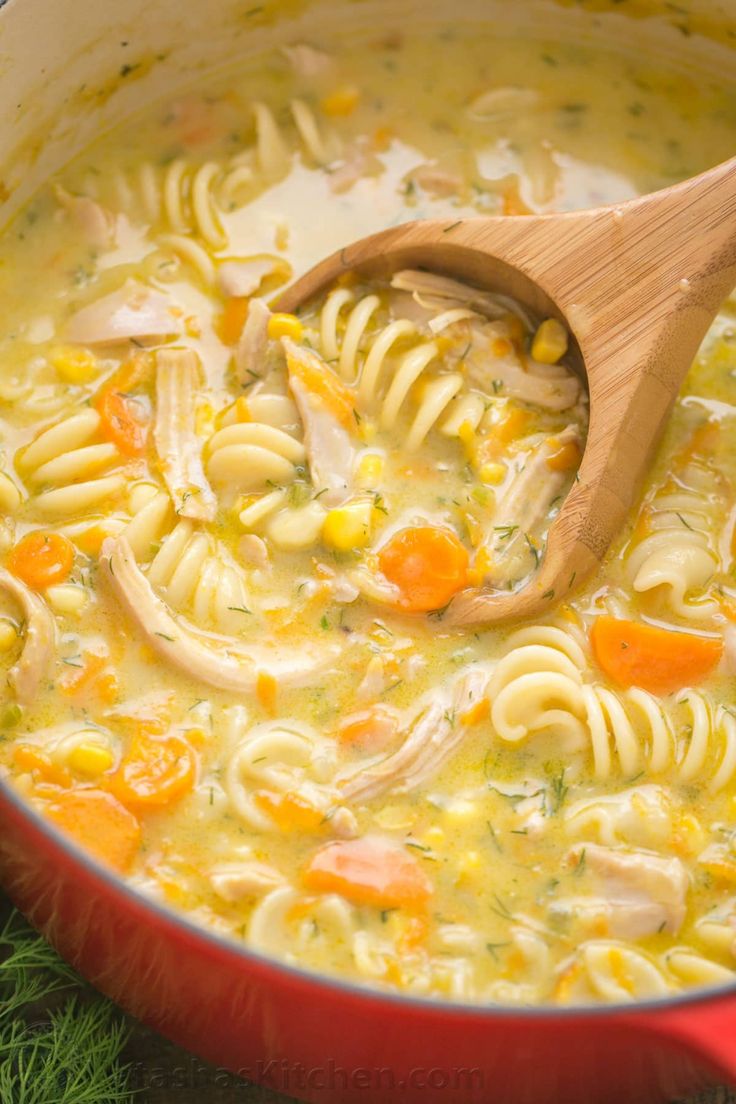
[{"x": 70, "y": 1054}]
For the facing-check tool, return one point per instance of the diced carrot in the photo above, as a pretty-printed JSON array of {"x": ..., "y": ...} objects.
[
  {"x": 266, "y": 691},
  {"x": 369, "y": 871},
  {"x": 416, "y": 931},
  {"x": 566, "y": 457},
  {"x": 99, "y": 823},
  {"x": 724, "y": 870},
  {"x": 156, "y": 771},
  {"x": 321, "y": 381},
  {"x": 703, "y": 441},
  {"x": 478, "y": 712},
  {"x": 42, "y": 559},
  {"x": 118, "y": 424},
  {"x": 501, "y": 346},
  {"x": 290, "y": 811},
  {"x": 370, "y": 730},
  {"x": 427, "y": 563},
  {"x": 513, "y": 204},
  {"x": 28, "y": 757},
  {"x": 231, "y": 321},
  {"x": 81, "y": 678},
  {"x": 658, "y": 660}
]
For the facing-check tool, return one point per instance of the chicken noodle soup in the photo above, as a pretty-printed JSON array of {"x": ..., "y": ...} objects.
[{"x": 228, "y": 535}]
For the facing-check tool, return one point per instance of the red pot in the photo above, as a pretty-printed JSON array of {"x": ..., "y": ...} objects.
[{"x": 313, "y": 1038}]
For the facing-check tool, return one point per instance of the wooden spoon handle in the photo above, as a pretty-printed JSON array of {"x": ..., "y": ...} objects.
[{"x": 639, "y": 286}]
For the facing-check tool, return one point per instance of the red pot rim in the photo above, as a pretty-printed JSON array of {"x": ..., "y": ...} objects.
[{"x": 248, "y": 956}]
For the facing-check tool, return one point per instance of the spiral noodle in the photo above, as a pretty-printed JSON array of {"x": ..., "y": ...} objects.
[
  {"x": 277, "y": 759},
  {"x": 390, "y": 362},
  {"x": 184, "y": 198},
  {"x": 186, "y": 566},
  {"x": 64, "y": 466},
  {"x": 279, "y": 926},
  {"x": 538, "y": 687},
  {"x": 249, "y": 456},
  {"x": 679, "y": 553}
]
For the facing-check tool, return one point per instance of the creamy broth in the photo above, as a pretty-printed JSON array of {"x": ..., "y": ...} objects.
[{"x": 223, "y": 678}]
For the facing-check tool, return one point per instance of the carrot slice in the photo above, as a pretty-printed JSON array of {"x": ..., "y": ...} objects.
[
  {"x": 42, "y": 559},
  {"x": 658, "y": 660},
  {"x": 369, "y": 871},
  {"x": 118, "y": 424},
  {"x": 428, "y": 565},
  {"x": 370, "y": 730},
  {"x": 290, "y": 811},
  {"x": 99, "y": 823},
  {"x": 154, "y": 772},
  {"x": 231, "y": 321}
]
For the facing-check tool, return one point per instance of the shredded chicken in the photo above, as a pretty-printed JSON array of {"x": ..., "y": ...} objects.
[
  {"x": 37, "y": 656},
  {"x": 551, "y": 386},
  {"x": 329, "y": 447},
  {"x": 254, "y": 550},
  {"x": 440, "y": 292},
  {"x": 523, "y": 506},
  {"x": 359, "y": 161},
  {"x": 244, "y": 277},
  {"x": 179, "y": 450},
  {"x": 93, "y": 222},
  {"x": 639, "y": 893},
  {"x": 432, "y": 738},
  {"x": 133, "y": 312},
  {"x": 217, "y": 660},
  {"x": 251, "y": 350},
  {"x": 435, "y": 180},
  {"x": 306, "y": 61},
  {"x": 235, "y": 881}
]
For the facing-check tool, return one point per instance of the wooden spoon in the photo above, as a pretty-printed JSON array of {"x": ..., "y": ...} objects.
[{"x": 637, "y": 284}]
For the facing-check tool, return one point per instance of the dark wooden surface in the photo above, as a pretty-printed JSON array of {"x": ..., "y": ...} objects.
[{"x": 163, "y": 1074}]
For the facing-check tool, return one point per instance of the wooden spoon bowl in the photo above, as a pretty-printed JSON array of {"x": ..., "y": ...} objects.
[{"x": 637, "y": 284}]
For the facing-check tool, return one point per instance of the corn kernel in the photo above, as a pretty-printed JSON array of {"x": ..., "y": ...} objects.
[
  {"x": 75, "y": 364},
  {"x": 90, "y": 759},
  {"x": 550, "y": 341},
  {"x": 470, "y": 863},
  {"x": 204, "y": 419},
  {"x": 492, "y": 473},
  {"x": 433, "y": 837},
  {"x": 370, "y": 470},
  {"x": 285, "y": 325},
  {"x": 466, "y": 433},
  {"x": 348, "y": 527},
  {"x": 343, "y": 101},
  {"x": 8, "y": 635}
]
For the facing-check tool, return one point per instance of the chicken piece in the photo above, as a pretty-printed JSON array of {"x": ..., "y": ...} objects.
[
  {"x": 328, "y": 444},
  {"x": 217, "y": 660},
  {"x": 179, "y": 451},
  {"x": 251, "y": 351},
  {"x": 132, "y": 313},
  {"x": 94, "y": 223},
  {"x": 431, "y": 739},
  {"x": 244, "y": 277},
  {"x": 235, "y": 881},
  {"x": 359, "y": 161},
  {"x": 523, "y": 507},
  {"x": 638, "y": 893},
  {"x": 39, "y": 643},
  {"x": 551, "y": 386},
  {"x": 436, "y": 180},
  {"x": 442, "y": 292},
  {"x": 306, "y": 61}
]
